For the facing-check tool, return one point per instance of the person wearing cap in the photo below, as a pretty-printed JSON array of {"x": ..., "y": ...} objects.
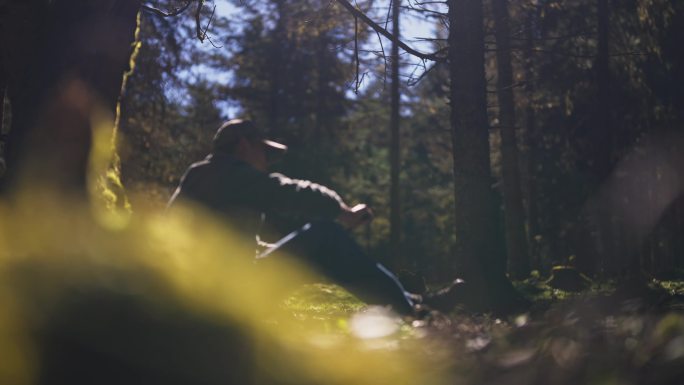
[{"x": 233, "y": 181}]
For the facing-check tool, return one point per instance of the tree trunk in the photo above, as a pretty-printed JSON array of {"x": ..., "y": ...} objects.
[
  {"x": 531, "y": 161},
  {"x": 603, "y": 128},
  {"x": 65, "y": 62},
  {"x": 321, "y": 90},
  {"x": 678, "y": 231},
  {"x": 516, "y": 240},
  {"x": 3, "y": 103},
  {"x": 395, "y": 204},
  {"x": 480, "y": 255},
  {"x": 601, "y": 150},
  {"x": 2, "y": 106},
  {"x": 277, "y": 57}
]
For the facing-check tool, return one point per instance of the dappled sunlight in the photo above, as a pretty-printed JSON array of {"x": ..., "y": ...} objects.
[
  {"x": 375, "y": 322},
  {"x": 644, "y": 185},
  {"x": 57, "y": 261}
]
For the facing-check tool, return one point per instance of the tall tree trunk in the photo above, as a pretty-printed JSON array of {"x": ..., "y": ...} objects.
[
  {"x": 516, "y": 240},
  {"x": 277, "y": 57},
  {"x": 601, "y": 150},
  {"x": 3, "y": 104},
  {"x": 480, "y": 255},
  {"x": 395, "y": 204},
  {"x": 321, "y": 88},
  {"x": 604, "y": 104},
  {"x": 3, "y": 94},
  {"x": 320, "y": 155},
  {"x": 530, "y": 159},
  {"x": 678, "y": 231},
  {"x": 65, "y": 62}
]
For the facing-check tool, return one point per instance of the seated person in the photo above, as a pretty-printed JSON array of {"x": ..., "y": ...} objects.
[{"x": 233, "y": 181}]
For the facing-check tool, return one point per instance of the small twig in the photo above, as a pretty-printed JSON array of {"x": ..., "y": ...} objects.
[
  {"x": 412, "y": 82},
  {"x": 429, "y": 39},
  {"x": 410, "y": 78},
  {"x": 424, "y": 10},
  {"x": 201, "y": 33},
  {"x": 206, "y": 29},
  {"x": 387, "y": 18},
  {"x": 198, "y": 23},
  {"x": 213, "y": 44},
  {"x": 429, "y": 2},
  {"x": 384, "y": 59},
  {"x": 353, "y": 85}
]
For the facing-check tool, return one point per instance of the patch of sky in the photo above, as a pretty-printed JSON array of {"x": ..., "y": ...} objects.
[{"x": 418, "y": 30}]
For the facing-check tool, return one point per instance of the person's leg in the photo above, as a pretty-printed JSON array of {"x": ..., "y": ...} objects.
[{"x": 331, "y": 250}]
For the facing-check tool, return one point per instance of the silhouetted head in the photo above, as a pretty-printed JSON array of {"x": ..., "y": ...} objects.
[
  {"x": 243, "y": 140},
  {"x": 228, "y": 136}
]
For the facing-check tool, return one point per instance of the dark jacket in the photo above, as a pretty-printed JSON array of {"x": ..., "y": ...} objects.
[{"x": 241, "y": 193}]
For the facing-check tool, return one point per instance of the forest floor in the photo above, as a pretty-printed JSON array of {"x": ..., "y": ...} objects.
[{"x": 601, "y": 336}]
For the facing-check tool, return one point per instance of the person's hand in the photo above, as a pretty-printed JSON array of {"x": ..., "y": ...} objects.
[{"x": 355, "y": 216}]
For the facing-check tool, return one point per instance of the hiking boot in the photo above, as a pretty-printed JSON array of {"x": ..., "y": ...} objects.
[{"x": 448, "y": 298}]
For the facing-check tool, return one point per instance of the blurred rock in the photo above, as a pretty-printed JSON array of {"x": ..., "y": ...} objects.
[{"x": 568, "y": 278}]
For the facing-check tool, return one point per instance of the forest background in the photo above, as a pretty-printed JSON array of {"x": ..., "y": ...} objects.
[{"x": 596, "y": 122}]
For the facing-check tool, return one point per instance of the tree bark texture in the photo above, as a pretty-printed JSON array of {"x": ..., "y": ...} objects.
[
  {"x": 64, "y": 61},
  {"x": 480, "y": 255},
  {"x": 516, "y": 239},
  {"x": 395, "y": 203}
]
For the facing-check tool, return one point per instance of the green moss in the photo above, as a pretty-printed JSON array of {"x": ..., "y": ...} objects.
[
  {"x": 109, "y": 185},
  {"x": 322, "y": 301},
  {"x": 672, "y": 287}
]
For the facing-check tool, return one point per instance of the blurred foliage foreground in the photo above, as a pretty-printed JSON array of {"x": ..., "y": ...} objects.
[{"x": 165, "y": 300}]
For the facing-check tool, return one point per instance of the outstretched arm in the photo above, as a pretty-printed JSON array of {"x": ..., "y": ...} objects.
[{"x": 302, "y": 197}]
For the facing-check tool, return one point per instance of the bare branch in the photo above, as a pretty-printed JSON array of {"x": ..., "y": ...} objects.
[
  {"x": 389, "y": 14},
  {"x": 204, "y": 33},
  {"x": 429, "y": 39},
  {"x": 356, "y": 54},
  {"x": 424, "y": 10},
  {"x": 377, "y": 28},
  {"x": 172, "y": 13},
  {"x": 412, "y": 80},
  {"x": 429, "y": 2},
  {"x": 198, "y": 23},
  {"x": 201, "y": 32},
  {"x": 384, "y": 59}
]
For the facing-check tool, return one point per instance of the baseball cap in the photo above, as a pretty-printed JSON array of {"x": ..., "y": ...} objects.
[{"x": 230, "y": 132}]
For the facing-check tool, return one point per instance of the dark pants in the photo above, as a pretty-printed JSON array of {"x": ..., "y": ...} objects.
[{"x": 330, "y": 250}]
